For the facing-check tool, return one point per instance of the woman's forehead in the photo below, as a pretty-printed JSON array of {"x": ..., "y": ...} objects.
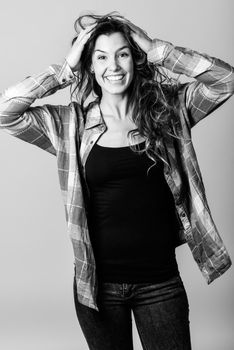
[{"x": 108, "y": 42}]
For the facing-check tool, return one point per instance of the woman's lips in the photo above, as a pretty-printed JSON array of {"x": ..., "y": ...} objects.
[{"x": 115, "y": 78}]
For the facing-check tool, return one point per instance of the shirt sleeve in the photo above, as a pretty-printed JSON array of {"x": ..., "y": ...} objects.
[
  {"x": 36, "y": 125},
  {"x": 214, "y": 79}
]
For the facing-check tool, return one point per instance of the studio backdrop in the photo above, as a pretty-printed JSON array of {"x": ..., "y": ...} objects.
[{"x": 36, "y": 257}]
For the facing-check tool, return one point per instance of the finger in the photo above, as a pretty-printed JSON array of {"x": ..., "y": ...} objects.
[
  {"x": 86, "y": 32},
  {"x": 90, "y": 27},
  {"x": 84, "y": 36}
]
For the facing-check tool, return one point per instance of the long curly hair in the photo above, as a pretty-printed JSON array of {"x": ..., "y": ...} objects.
[{"x": 151, "y": 94}]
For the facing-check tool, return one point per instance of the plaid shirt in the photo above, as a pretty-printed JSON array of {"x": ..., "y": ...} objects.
[{"x": 61, "y": 130}]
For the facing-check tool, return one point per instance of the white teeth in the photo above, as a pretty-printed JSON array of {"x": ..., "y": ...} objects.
[{"x": 115, "y": 77}]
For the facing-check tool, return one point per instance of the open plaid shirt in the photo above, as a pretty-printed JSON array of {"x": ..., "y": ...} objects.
[{"x": 69, "y": 135}]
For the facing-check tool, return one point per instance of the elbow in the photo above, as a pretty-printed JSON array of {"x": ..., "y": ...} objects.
[
  {"x": 10, "y": 122},
  {"x": 229, "y": 82}
]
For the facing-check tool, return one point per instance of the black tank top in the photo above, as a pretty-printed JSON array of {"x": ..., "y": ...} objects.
[{"x": 131, "y": 216}]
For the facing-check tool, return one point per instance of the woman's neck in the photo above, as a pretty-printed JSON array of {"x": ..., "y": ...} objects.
[{"x": 115, "y": 106}]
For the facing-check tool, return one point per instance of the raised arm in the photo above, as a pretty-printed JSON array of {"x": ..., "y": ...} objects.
[
  {"x": 35, "y": 125},
  {"x": 40, "y": 125},
  {"x": 214, "y": 78}
]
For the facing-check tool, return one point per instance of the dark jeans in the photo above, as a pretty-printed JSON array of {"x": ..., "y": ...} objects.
[{"x": 160, "y": 310}]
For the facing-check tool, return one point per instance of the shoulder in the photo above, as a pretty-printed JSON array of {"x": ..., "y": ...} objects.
[{"x": 65, "y": 112}]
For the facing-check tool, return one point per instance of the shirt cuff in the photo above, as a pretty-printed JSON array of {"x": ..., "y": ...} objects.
[
  {"x": 63, "y": 73},
  {"x": 159, "y": 51}
]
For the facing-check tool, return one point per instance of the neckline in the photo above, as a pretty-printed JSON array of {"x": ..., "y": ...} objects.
[{"x": 120, "y": 147}]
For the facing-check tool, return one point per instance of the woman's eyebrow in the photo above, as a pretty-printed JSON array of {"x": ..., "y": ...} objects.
[{"x": 121, "y": 48}]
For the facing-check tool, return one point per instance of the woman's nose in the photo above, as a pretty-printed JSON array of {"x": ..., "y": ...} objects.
[{"x": 114, "y": 64}]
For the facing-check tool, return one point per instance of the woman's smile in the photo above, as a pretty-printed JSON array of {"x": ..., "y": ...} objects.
[{"x": 116, "y": 78}]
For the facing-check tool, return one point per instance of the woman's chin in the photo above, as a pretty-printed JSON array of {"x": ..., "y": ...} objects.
[{"x": 115, "y": 90}]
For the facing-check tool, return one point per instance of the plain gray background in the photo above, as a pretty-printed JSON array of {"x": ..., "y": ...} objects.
[{"x": 36, "y": 258}]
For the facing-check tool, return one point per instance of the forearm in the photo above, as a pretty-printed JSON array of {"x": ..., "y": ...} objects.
[
  {"x": 215, "y": 74},
  {"x": 15, "y": 100}
]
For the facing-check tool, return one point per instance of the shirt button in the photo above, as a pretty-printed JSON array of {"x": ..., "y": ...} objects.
[
  {"x": 183, "y": 215},
  {"x": 91, "y": 142},
  {"x": 63, "y": 80}
]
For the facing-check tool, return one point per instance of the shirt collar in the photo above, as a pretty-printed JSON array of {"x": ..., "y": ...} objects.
[{"x": 94, "y": 116}]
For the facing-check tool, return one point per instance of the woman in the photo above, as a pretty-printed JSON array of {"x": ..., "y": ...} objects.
[{"x": 128, "y": 173}]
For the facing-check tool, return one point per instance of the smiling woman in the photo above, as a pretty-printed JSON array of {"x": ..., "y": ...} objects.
[
  {"x": 129, "y": 175},
  {"x": 111, "y": 51}
]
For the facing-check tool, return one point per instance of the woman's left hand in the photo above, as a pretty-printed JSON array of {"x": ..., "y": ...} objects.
[{"x": 140, "y": 36}]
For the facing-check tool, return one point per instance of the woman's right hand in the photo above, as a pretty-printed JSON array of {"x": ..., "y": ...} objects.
[{"x": 74, "y": 54}]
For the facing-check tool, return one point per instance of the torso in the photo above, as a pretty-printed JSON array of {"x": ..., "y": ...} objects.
[
  {"x": 132, "y": 220},
  {"x": 130, "y": 212}
]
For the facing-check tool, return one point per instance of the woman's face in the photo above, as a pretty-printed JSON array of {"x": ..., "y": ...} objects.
[{"x": 112, "y": 63}]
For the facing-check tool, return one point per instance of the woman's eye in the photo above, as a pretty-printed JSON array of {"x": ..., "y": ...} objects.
[
  {"x": 124, "y": 54},
  {"x": 101, "y": 57}
]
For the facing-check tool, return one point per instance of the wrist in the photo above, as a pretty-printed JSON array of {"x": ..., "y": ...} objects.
[
  {"x": 63, "y": 73},
  {"x": 158, "y": 51},
  {"x": 70, "y": 64}
]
